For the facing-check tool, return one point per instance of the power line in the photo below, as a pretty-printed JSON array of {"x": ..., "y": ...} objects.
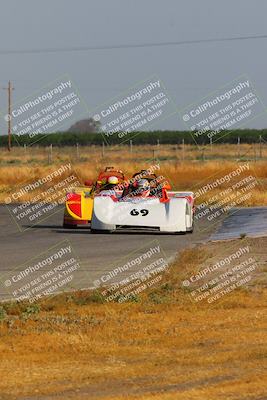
[{"x": 129, "y": 46}]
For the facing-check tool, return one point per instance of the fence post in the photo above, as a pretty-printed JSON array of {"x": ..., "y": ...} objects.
[
  {"x": 238, "y": 147},
  {"x": 50, "y": 154},
  {"x": 255, "y": 152},
  {"x": 103, "y": 149},
  {"x": 203, "y": 152},
  {"x": 183, "y": 149},
  {"x": 131, "y": 146},
  {"x": 260, "y": 146},
  {"x": 77, "y": 151}
]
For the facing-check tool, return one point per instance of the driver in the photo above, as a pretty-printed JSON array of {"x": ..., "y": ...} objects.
[
  {"x": 142, "y": 188},
  {"x": 111, "y": 183}
]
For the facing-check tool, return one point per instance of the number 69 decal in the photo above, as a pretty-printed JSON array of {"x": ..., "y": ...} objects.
[{"x": 144, "y": 212}]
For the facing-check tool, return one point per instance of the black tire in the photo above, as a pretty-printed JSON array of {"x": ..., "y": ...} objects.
[
  {"x": 191, "y": 230},
  {"x": 69, "y": 226},
  {"x": 100, "y": 231}
]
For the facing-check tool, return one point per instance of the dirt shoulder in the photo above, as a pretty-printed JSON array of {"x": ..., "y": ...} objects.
[{"x": 164, "y": 345}]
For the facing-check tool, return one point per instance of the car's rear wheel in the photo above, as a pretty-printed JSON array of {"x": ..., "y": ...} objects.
[
  {"x": 69, "y": 226},
  {"x": 191, "y": 230}
]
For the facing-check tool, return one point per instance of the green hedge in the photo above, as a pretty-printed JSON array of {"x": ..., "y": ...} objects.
[{"x": 151, "y": 137}]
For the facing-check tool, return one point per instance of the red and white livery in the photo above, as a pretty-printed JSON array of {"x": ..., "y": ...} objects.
[{"x": 162, "y": 210}]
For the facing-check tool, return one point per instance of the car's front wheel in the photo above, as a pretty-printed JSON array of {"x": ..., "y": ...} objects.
[{"x": 99, "y": 231}]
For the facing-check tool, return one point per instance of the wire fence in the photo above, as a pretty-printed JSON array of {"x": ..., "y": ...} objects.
[{"x": 179, "y": 152}]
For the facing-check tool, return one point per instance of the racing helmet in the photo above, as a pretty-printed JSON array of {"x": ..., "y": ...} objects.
[
  {"x": 113, "y": 180},
  {"x": 143, "y": 187}
]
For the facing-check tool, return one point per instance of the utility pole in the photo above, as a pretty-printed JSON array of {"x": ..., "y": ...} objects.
[{"x": 9, "y": 115}]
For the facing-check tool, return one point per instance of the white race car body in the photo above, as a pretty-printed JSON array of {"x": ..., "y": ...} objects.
[{"x": 172, "y": 214}]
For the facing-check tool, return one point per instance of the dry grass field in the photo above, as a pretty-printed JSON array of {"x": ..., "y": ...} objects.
[
  {"x": 161, "y": 347},
  {"x": 187, "y": 168}
]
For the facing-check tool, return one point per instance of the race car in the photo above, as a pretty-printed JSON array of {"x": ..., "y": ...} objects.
[
  {"x": 79, "y": 202},
  {"x": 147, "y": 203}
]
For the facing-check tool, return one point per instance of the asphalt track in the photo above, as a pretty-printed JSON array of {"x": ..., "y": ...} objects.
[
  {"x": 248, "y": 221},
  {"x": 100, "y": 254}
]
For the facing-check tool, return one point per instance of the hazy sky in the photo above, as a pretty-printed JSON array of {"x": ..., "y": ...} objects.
[{"x": 189, "y": 71}]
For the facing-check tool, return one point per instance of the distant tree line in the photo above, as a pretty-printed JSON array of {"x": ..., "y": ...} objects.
[{"x": 150, "y": 137}]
